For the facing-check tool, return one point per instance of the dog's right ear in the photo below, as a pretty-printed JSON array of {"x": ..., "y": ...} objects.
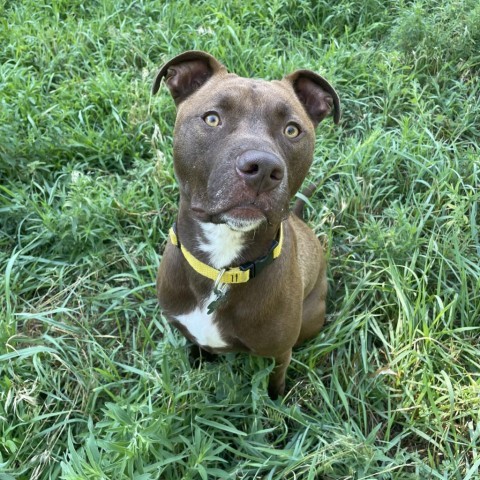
[
  {"x": 186, "y": 73},
  {"x": 318, "y": 97}
]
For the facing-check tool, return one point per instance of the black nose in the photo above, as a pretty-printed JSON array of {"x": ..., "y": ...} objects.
[{"x": 261, "y": 171}]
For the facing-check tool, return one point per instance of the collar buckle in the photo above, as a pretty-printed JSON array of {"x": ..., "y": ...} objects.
[{"x": 258, "y": 265}]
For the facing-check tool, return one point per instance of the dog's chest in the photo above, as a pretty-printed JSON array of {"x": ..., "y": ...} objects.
[
  {"x": 222, "y": 245},
  {"x": 202, "y": 326}
]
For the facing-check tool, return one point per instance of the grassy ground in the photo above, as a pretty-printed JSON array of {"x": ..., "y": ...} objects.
[{"x": 95, "y": 385}]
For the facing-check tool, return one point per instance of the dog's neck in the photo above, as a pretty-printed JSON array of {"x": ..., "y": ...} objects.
[{"x": 218, "y": 245}]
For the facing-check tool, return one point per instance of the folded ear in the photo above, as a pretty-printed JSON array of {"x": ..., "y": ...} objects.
[
  {"x": 318, "y": 97},
  {"x": 186, "y": 73}
]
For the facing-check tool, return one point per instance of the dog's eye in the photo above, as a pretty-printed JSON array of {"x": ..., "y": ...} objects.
[
  {"x": 212, "y": 119},
  {"x": 292, "y": 131}
]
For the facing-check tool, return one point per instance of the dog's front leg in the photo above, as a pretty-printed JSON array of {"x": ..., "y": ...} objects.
[{"x": 276, "y": 382}]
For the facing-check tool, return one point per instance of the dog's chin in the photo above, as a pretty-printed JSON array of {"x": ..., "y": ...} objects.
[
  {"x": 243, "y": 225},
  {"x": 243, "y": 219}
]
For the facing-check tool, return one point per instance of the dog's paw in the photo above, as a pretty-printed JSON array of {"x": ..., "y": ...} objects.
[{"x": 198, "y": 355}]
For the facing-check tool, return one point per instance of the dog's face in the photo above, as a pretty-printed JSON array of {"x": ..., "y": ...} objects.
[
  {"x": 250, "y": 142},
  {"x": 233, "y": 124}
]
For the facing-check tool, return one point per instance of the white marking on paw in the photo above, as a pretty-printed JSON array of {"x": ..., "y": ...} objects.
[
  {"x": 222, "y": 244},
  {"x": 201, "y": 325}
]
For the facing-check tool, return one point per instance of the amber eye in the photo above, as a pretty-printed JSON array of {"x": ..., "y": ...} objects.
[
  {"x": 292, "y": 131},
  {"x": 212, "y": 119}
]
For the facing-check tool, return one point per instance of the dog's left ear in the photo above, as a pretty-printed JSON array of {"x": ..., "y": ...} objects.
[
  {"x": 186, "y": 73},
  {"x": 318, "y": 97}
]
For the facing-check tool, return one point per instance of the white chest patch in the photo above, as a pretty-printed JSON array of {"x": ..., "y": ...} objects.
[
  {"x": 222, "y": 244},
  {"x": 201, "y": 326}
]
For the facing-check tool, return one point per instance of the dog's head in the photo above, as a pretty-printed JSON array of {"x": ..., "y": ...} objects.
[{"x": 242, "y": 147}]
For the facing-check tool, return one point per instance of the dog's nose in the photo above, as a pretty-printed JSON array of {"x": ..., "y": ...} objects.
[{"x": 261, "y": 171}]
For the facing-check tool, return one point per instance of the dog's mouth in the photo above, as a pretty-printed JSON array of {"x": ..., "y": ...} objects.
[{"x": 242, "y": 218}]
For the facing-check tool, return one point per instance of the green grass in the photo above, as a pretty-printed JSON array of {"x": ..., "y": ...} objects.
[{"x": 94, "y": 384}]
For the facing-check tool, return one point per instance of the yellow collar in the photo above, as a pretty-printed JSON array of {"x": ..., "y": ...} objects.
[{"x": 240, "y": 274}]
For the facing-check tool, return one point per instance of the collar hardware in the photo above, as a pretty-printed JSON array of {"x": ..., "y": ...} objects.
[{"x": 258, "y": 265}]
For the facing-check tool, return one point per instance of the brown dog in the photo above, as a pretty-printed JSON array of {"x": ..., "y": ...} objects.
[{"x": 240, "y": 272}]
